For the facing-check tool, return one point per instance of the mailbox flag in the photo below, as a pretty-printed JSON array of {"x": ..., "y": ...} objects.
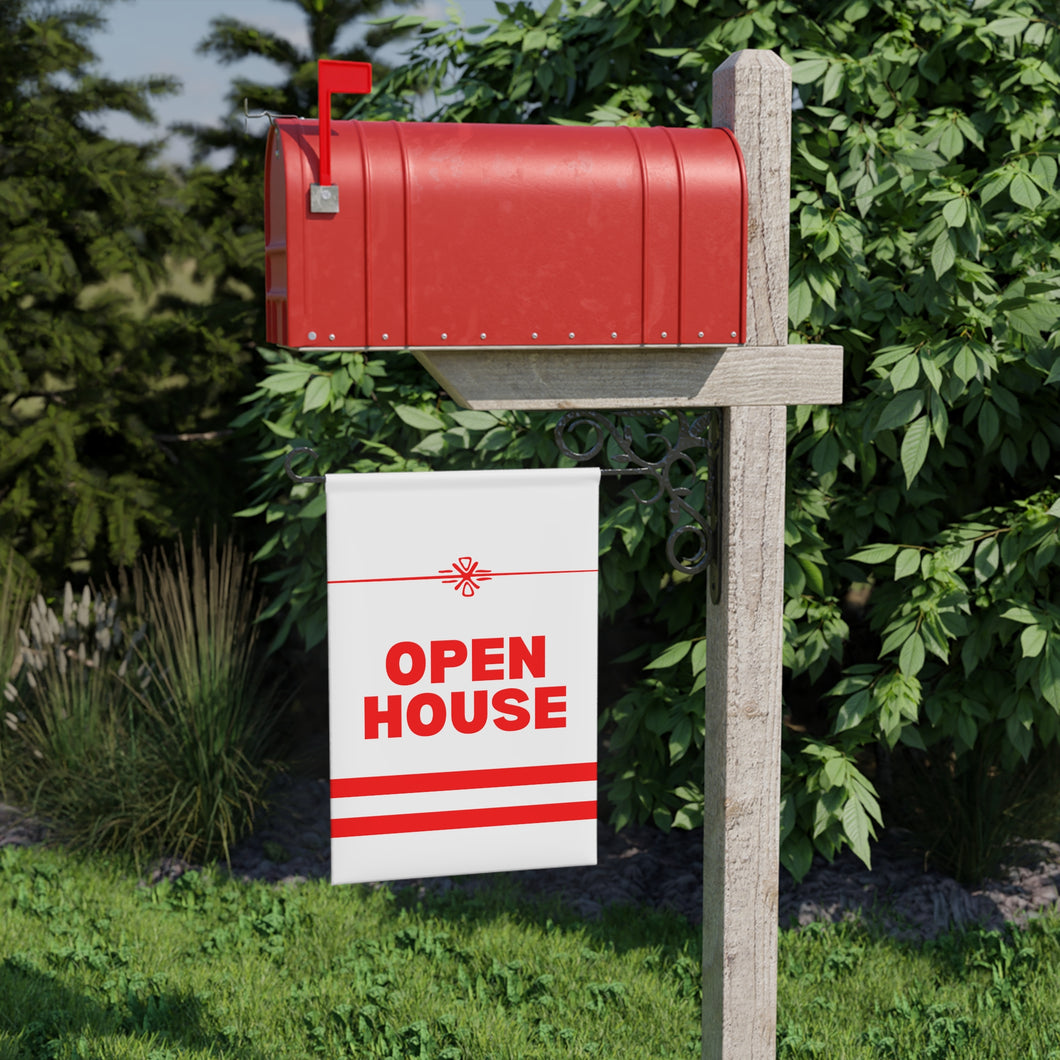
[{"x": 462, "y": 616}]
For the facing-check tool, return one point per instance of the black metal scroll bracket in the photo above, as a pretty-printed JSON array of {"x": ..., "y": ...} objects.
[
  {"x": 702, "y": 431},
  {"x": 300, "y": 478}
]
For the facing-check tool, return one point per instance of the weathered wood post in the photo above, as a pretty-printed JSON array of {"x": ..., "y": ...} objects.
[{"x": 741, "y": 840}]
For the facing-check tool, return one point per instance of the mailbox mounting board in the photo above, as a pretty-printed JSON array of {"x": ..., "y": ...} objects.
[{"x": 484, "y": 236}]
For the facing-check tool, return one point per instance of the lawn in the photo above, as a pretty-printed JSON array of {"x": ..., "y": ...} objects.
[{"x": 94, "y": 965}]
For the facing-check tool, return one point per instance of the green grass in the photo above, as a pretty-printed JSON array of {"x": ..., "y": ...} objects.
[
  {"x": 93, "y": 965},
  {"x": 843, "y": 992}
]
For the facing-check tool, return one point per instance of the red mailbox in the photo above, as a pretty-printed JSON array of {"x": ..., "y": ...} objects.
[{"x": 459, "y": 235}]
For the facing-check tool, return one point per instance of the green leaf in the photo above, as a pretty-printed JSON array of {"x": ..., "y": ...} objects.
[
  {"x": 1049, "y": 674},
  {"x": 854, "y": 710},
  {"x": 430, "y": 444},
  {"x": 674, "y": 654},
  {"x": 800, "y": 302},
  {"x": 967, "y": 729},
  {"x": 474, "y": 419},
  {"x": 966, "y": 365},
  {"x": 905, "y": 373},
  {"x": 420, "y": 419},
  {"x": 835, "y": 772},
  {"x": 1032, "y": 641},
  {"x": 796, "y": 855},
  {"x": 814, "y": 577},
  {"x": 911, "y": 657},
  {"x": 1024, "y": 191},
  {"x": 699, "y": 656},
  {"x": 807, "y": 70},
  {"x": 286, "y": 382},
  {"x": 915, "y": 447},
  {"x": 856, "y": 827},
  {"x": 956, "y": 212},
  {"x": 314, "y": 508},
  {"x": 908, "y": 562},
  {"x": 920, "y": 158},
  {"x": 900, "y": 410},
  {"x": 1011, "y": 26},
  {"x": 987, "y": 558},
  {"x": 989, "y": 424},
  {"x": 680, "y": 739},
  {"x": 317, "y": 394},
  {"x": 875, "y": 553},
  {"x": 943, "y": 253}
]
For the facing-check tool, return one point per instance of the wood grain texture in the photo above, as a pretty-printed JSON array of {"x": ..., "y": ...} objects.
[
  {"x": 741, "y": 790},
  {"x": 752, "y": 97},
  {"x": 638, "y": 376},
  {"x": 744, "y": 631}
]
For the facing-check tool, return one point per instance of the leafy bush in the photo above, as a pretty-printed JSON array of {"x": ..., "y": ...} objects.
[
  {"x": 926, "y": 241},
  {"x": 151, "y": 743}
]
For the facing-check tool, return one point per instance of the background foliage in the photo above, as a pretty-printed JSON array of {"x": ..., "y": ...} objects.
[
  {"x": 104, "y": 367},
  {"x": 922, "y": 615},
  {"x": 921, "y": 583}
]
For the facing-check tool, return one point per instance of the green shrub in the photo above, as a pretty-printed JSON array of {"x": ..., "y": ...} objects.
[{"x": 926, "y": 241}]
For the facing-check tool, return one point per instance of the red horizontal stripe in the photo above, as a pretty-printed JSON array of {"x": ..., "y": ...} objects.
[
  {"x": 453, "y": 576},
  {"x": 462, "y": 779},
  {"x": 445, "y": 820}
]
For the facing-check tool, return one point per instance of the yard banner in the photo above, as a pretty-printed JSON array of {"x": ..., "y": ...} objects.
[{"x": 462, "y": 620}]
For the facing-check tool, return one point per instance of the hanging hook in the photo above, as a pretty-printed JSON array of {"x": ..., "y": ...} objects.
[
  {"x": 272, "y": 115},
  {"x": 300, "y": 478}
]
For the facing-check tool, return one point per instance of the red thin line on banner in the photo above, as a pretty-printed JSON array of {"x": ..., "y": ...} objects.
[
  {"x": 454, "y": 576},
  {"x": 445, "y": 820},
  {"x": 462, "y": 779}
]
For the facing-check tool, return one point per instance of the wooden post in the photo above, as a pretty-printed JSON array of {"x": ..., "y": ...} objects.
[{"x": 744, "y": 631}]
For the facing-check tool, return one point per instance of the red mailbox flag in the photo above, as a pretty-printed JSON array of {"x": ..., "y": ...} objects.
[{"x": 336, "y": 76}]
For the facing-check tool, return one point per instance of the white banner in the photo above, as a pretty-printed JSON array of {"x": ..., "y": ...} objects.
[{"x": 462, "y": 618}]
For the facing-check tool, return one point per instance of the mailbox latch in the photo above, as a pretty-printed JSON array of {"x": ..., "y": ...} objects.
[{"x": 323, "y": 198}]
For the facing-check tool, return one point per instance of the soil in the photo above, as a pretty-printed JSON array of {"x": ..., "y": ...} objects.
[{"x": 643, "y": 866}]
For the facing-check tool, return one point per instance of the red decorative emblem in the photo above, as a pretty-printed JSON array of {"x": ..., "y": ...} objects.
[{"x": 466, "y": 576}]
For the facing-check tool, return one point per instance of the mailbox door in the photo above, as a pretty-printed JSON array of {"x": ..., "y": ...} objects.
[{"x": 463, "y": 236}]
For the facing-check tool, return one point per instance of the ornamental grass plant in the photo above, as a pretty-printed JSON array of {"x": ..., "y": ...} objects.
[
  {"x": 73, "y": 751},
  {"x": 211, "y": 709},
  {"x": 151, "y": 743}
]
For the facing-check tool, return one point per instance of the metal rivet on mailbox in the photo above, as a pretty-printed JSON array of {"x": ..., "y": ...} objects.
[
  {"x": 483, "y": 335},
  {"x": 571, "y": 335},
  {"x": 312, "y": 336},
  {"x": 331, "y": 338},
  {"x": 701, "y": 334},
  {"x": 663, "y": 334},
  {"x": 385, "y": 336},
  {"x": 614, "y": 334},
  {"x": 733, "y": 333},
  {"x": 533, "y": 334},
  {"x": 445, "y": 335}
]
